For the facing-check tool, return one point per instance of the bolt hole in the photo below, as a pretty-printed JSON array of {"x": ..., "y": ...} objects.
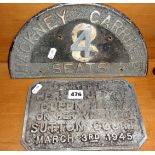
[
  {"x": 110, "y": 38},
  {"x": 121, "y": 69},
  {"x": 60, "y": 36}
]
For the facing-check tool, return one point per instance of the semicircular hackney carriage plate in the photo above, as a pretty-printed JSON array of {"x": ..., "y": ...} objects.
[
  {"x": 82, "y": 115},
  {"x": 79, "y": 40}
]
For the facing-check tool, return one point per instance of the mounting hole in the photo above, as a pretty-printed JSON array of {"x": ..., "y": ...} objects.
[
  {"x": 110, "y": 38},
  {"x": 121, "y": 69},
  {"x": 60, "y": 37}
]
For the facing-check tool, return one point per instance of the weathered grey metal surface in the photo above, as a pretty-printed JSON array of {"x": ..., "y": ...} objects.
[
  {"x": 105, "y": 117},
  {"x": 79, "y": 40}
]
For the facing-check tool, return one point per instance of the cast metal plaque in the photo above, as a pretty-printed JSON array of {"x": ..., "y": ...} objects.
[
  {"x": 79, "y": 40},
  {"x": 82, "y": 115}
]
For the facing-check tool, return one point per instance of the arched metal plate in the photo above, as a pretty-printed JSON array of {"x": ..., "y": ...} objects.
[
  {"x": 82, "y": 115},
  {"x": 79, "y": 40}
]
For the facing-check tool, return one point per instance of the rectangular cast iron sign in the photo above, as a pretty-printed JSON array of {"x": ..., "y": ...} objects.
[{"x": 82, "y": 115}]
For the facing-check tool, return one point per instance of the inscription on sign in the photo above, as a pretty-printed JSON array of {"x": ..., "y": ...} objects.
[
  {"x": 82, "y": 115},
  {"x": 78, "y": 41}
]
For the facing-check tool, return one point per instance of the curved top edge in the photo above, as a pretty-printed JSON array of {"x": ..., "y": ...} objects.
[{"x": 55, "y": 6}]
